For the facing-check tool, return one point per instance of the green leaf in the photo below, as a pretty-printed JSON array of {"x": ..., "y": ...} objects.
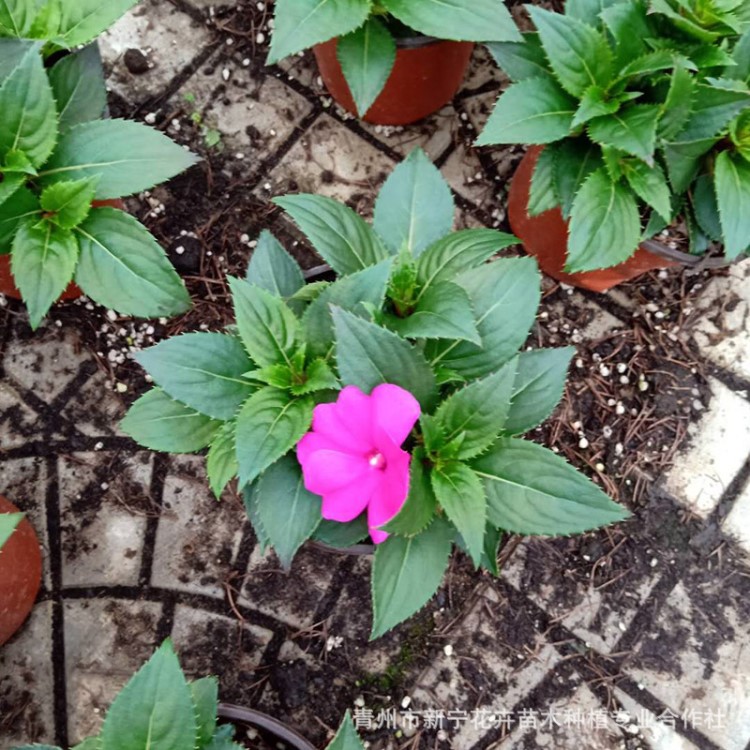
[
  {"x": 124, "y": 268},
  {"x": 420, "y": 505},
  {"x": 654, "y": 62},
  {"x": 16, "y": 16},
  {"x": 367, "y": 56},
  {"x": 521, "y": 60},
  {"x": 478, "y": 411},
  {"x": 10, "y": 184},
  {"x": 575, "y": 160},
  {"x": 632, "y": 130},
  {"x": 543, "y": 196},
  {"x": 594, "y": 103},
  {"x": 406, "y": 573},
  {"x": 679, "y": 103},
  {"x": 458, "y": 252},
  {"x": 78, "y": 84},
  {"x": 685, "y": 24},
  {"x": 35, "y": 747},
  {"x": 586, "y": 10},
  {"x": 318, "y": 377},
  {"x": 289, "y": 513},
  {"x": 205, "y": 697},
  {"x": 342, "y": 535},
  {"x": 160, "y": 423},
  {"x": 268, "y": 328},
  {"x": 250, "y": 501},
  {"x": 221, "y": 462},
  {"x": 706, "y": 208},
  {"x": 605, "y": 225},
  {"x": 368, "y": 355},
  {"x": 579, "y": 54},
  {"x": 340, "y": 236},
  {"x": 300, "y": 24},
  {"x": 535, "y": 110},
  {"x": 223, "y": 739},
  {"x": 23, "y": 204},
  {"x": 126, "y": 156},
  {"x": 8, "y": 524},
  {"x": 346, "y": 738},
  {"x": 538, "y": 387},
  {"x": 352, "y": 293},
  {"x": 202, "y": 370},
  {"x": 478, "y": 21},
  {"x": 415, "y": 206},
  {"x": 43, "y": 261},
  {"x": 505, "y": 295},
  {"x": 28, "y": 107},
  {"x": 154, "y": 710},
  {"x": 732, "y": 180},
  {"x": 273, "y": 269},
  {"x": 741, "y": 56},
  {"x": 444, "y": 311},
  {"x": 84, "y": 20},
  {"x": 650, "y": 184},
  {"x": 629, "y": 26},
  {"x": 67, "y": 204},
  {"x": 461, "y": 495},
  {"x": 530, "y": 490},
  {"x": 684, "y": 161},
  {"x": 269, "y": 424},
  {"x": 713, "y": 109}
]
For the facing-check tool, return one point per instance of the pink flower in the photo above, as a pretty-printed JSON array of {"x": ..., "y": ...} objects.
[{"x": 353, "y": 455}]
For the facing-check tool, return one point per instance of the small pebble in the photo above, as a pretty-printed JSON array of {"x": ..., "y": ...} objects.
[{"x": 448, "y": 650}]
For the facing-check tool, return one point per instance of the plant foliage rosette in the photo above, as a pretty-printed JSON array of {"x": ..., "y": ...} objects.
[
  {"x": 367, "y": 32},
  {"x": 644, "y": 112},
  {"x": 396, "y": 393},
  {"x": 160, "y": 708},
  {"x": 59, "y": 157}
]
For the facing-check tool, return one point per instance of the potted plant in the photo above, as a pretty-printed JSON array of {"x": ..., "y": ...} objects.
[
  {"x": 392, "y": 62},
  {"x": 158, "y": 707},
  {"x": 20, "y": 569},
  {"x": 63, "y": 168},
  {"x": 397, "y": 393},
  {"x": 639, "y": 114}
]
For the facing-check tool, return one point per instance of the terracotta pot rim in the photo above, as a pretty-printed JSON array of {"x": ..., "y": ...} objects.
[
  {"x": 281, "y": 731},
  {"x": 697, "y": 262}
]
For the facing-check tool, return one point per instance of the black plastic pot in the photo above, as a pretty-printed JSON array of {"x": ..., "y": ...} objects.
[{"x": 266, "y": 725}]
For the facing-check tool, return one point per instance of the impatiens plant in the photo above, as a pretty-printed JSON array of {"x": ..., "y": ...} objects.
[
  {"x": 367, "y": 31},
  {"x": 644, "y": 112},
  {"x": 8, "y": 523},
  {"x": 59, "y": 160},
  {"x": 159, "y": 708},
  {"x": 387, "y": 403}
]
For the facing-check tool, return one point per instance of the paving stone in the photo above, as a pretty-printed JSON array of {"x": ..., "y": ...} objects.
[
  {"x": 695, "y": 660},
  {"x": 106, "y": 642},
  {"x": 483, "y": 72},
  {"x": 591, "y": 322},
  {"x": 18, "y": 422},
  {"x": 576, "y": 723},
  {"x": 26, "y": 708},
  {"x": 290, "y": 597},
  {"x": 718, "y": 451},
  {"x": 465, "y": 175},
  {"x": 23, "y": 481},
  {"x": 168, "y": 38},
  {"x": 110, "y": 408},
  {"x": 46, "y": 363},
  {"x": 495, "y": 659},
  {"x": 332, "y": 161},
  {"x": 255, "y": 112},
  {"x": 197, "y": 537},
  {"x": 657, "y": 734},
  {"x": 303, "y": 68},
  {"x": 204, "y": 640},
  {"x": 721, "y": 328},
  {"x": 737, "y": 523},
  {"x": 555, "y": 575},
  {"x": 105, "y": 503}
]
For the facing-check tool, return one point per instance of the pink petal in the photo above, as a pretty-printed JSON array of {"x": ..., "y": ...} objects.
[
  {"x": 395, "y": 410},
  {"x": 312, "y": 442},
  {"x": 389, "y": 497},
  {"x": 325, "y": 471},
  {"x": 346, "y": 503},
  {"x": 348, "y": 421}
]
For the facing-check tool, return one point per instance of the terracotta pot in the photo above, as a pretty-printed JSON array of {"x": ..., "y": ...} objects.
[
  {"x": 267, "y": 725},
  {"x": 426, "y": 76},
  {"x": 20, "y": 574},
  {"x": 546, "y": 238},
  {"x": 7, "y": 285}
]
